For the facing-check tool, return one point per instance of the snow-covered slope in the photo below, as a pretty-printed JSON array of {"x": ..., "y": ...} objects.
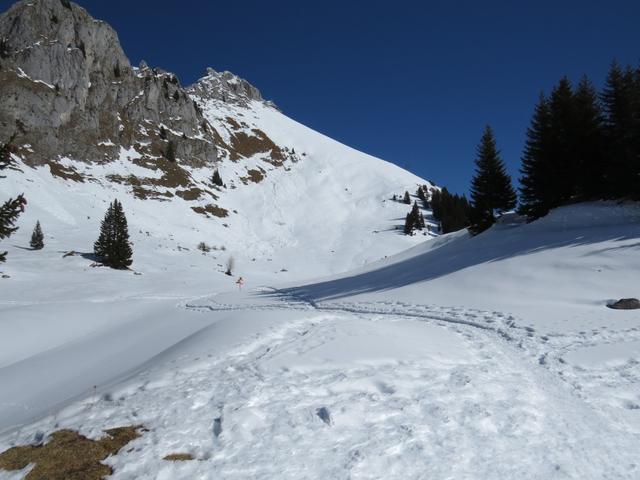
[
  {"x": 485, "y": 357},
  {"x": 326, "y": 203}
]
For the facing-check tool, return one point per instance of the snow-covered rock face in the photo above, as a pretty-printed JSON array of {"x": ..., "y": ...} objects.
[
  {"x": 226, "y": 87},
  {"x": 68, "y": 89}
]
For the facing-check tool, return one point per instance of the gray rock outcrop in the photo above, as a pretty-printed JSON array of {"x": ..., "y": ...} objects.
[
  {"x": 625, "y": 304},
  {"x": 225, "y": 87},
  {"x": 68, "y": 89}
]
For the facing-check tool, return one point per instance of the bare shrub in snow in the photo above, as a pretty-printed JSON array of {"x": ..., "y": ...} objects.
[
  {"x": 204, "y": 248},
  {"x": 231, "y": 263}
]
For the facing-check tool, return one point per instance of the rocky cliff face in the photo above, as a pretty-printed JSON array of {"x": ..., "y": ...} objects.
[{"x": 68, "y": 90}]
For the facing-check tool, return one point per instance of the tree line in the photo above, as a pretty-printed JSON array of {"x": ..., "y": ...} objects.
[{"x": 581, "y": 145}]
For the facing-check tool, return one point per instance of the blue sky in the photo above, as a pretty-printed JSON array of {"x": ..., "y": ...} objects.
[{"x": 411, "y": 82}]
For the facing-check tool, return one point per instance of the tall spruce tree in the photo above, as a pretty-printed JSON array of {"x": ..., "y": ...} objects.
[
  {"x": 491, "y": 189},
  {"x": 113, "y": 247},
  {"x": 12, "y": 208},
  {"x": 37, "y": 237},
  {"x": 621, "y": 103},
  {"x": 562, "y": 140},
  {"x": 536, "y": 195},
  {"x": 413, "y": 220},
  {"x": 217, "y": 179},
  {"x": 588, "y": 143},
  {"x": 408, "y": 224}
]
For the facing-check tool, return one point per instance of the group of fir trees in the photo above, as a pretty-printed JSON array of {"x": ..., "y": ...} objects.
[
  {"x": 583, "y": 146},
  {"x": 414, "y": 220},
  {"x": 113, "y": 247},
  {"x": 452, "y": 211},
  {"x": 491, "y": 193}
]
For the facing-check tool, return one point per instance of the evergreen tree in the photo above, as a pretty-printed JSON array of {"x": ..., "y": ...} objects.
[
  {"x": 408, "y": 224},
  {"x": 415, "y": 214},
  {"x": 9, "y": 213},
  {"x": 217, "y": 179},
  {"x": 5, "y": 155},
  {"x": 491, "y": 190},
  {"x": 406, "y": 199},
  {"x": 37, "y": 237},
  {"x": 588, "y": 144},
  {"x": 452, "y": 211},
  {"x": 536, "y": 197},
  {"x": 621, "y": 102},
  {"x": 12, "y": 208},
  {"x": 562, "y": 152},
  {"x": 422, "y": 195},
  {"x": 170, "y": 153},
  {"x": 113, "y": 247},
  {"x": 436, "y": 203},
  {"x": 412, "y": 220}
]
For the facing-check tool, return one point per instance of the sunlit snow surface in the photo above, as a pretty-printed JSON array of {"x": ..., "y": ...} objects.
[{"x": 492, "y": 357}]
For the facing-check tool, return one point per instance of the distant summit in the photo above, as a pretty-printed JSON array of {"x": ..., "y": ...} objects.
[{"x": 226, "y": 87}]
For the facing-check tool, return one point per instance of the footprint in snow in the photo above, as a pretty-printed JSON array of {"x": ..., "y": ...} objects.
[
  {"x": 324, "y": 415},
  {"x": 217, "y": 427},
  {"x": 385, "y": 388}
]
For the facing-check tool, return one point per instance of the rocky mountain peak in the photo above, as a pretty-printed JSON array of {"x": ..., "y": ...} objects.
[
  {"x": 225, "y": 87},
  {"x": 68, "y": 90}
]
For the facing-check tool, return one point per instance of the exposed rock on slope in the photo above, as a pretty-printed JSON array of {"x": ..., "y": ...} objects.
[
  {"x": 226, "y": 87},
  {"x": 69, "y": 90},
  {"x": 236, "y": 136}
]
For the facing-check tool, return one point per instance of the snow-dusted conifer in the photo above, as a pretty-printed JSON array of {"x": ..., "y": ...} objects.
[
  {"x": 12, "y": 208},
  {"x": 491, "y": 189},
  {"x": 113, "y": 247},
  {"x": 37, "y": 237},
  {"x": 217, "y": 179}
]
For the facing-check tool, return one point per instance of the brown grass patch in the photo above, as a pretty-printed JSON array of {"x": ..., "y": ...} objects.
[
  {"x": 244, "y": 145},
  {"x": 231, "y": 121},
  {"x": 213, "y": 210},
  {"x": 179, "y": 457},
  {"x": 69, "y": 455},
  {"x": 145, "y": 193},
  {"x": 255, "y": 176},
  {"x": 193, "y": 193},
  {"x": 66, "y": 173},
  {"x": 173, "y": 176}
]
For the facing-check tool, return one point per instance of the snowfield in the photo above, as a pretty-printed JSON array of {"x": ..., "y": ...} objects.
[
  {"x": 484, "y": 358},
  {"x": 353, "y": 352}
]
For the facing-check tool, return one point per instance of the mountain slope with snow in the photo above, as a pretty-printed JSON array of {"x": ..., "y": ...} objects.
[{"x": 107, "y": 129}]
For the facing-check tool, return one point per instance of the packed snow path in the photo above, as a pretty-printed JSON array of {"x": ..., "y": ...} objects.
[{"x": 348, "y": 393}]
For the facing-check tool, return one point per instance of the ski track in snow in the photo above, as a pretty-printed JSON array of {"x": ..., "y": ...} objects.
[
  {"x": 515, "y": 409},
  {"x": 501, "y": 413}
]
